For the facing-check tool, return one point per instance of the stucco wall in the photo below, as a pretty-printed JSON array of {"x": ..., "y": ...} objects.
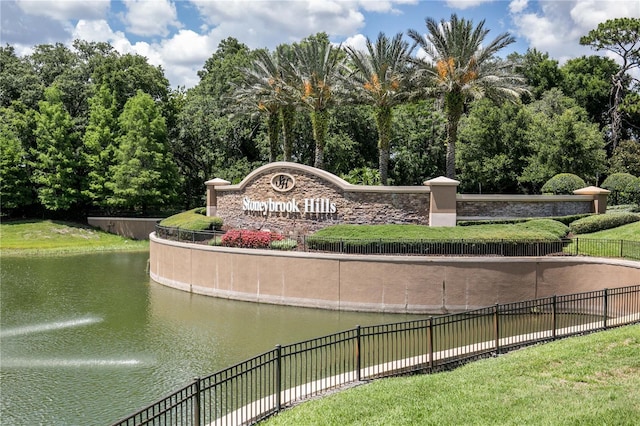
[
  {"x": 129, "y": 227},
  {"x": 405, "y": 284}
]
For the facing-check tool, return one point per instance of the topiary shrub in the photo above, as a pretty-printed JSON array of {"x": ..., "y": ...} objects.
[
  {"x": 249, "y": 239},
  {"x": 601, "y": 222},
  {"x": 193, "y": 220},
  {"x": 624, "y": 188},
  {"x": 563, "y": 184}
]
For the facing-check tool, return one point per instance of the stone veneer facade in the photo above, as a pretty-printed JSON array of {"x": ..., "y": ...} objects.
[
  {"x": 435, "y": 204},
  {"x": 354, "y": 204},
  {"x": 505, "y": 206}
]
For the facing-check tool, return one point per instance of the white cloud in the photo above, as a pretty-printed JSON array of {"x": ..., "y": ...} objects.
[
  {"x": 557, "y": 27},
  {"x": 517, "y": 6},
  {"x": 587, "y": 14},
  {"x": 95, "y": 30},
  {"x": 99, "y": 30},
  {"x": 357, "y": 42},
  {"x": 465, "y": 4},
  {"x": 150, "y": 17},
  {"x": 384, "y": 6},
  {"x": 181, "y": 56},
  {"x": 65, "y": 10},
  {"x": 187, "y": 47},
  {"x": 257, "y": 23},
  {"x": 265, "y": 22}
]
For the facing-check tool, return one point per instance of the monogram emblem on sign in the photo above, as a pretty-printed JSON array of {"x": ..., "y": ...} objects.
[{"x": 283, "y": 182}]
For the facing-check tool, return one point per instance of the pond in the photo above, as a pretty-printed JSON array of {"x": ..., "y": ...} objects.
[{"x": 89, "y": 339}]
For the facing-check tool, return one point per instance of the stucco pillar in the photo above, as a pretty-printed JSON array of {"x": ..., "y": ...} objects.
[
  {"x": 599, "y": 195},
  {"x": 212, "y": 197},
  {"x": 442, "y": 205}
]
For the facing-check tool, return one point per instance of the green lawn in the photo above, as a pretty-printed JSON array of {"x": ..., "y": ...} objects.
[
  {"x": 588, "y": 380},
  {"x": 531, "y": 230},
  {"x": 623, "y": 241},
  {"x": 52, "y": 237},
  {"x": 629, "y": 232}
]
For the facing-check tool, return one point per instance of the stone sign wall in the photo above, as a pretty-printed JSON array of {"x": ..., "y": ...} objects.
[
  {"x": 295, "y": 199},
  {"x": 503, "y": 206}
]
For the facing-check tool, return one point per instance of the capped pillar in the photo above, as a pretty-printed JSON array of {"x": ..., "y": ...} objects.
[
  {"x": 212, "y": 197},
  {"x": 442, "y": 202},
  {"x": 599, "y": 195}
]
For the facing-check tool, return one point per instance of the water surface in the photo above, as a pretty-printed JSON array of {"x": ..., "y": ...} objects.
[{"x": 89, "y": 339}]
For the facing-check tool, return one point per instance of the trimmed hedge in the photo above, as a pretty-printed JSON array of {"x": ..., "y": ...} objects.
[
  {"x": 562, "y": 219},
  {"x": 563, "y": 184},
  {"x": 435, "y": 248},
  {"x": 284, "y": 244},
  {"x": 193, "y": 220},
  {"x": 601, "y": 222},
  {"x": 553, "y": 227}
]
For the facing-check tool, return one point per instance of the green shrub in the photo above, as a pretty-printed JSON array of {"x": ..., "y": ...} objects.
[
  {"x": 624, "y": 188},
  {"x": 363, "y": 176},
  {"x": 563, "y": 184},
  {"x": 287, "y": 244},
  {"x": 215, "y": 241},
  {"x": 562, "y": 219},
  {"x": 553, "y": 227},
  {"x": 601, "y": 222},
  {"x": 193, "y": 220},
  {"x": 568, "y": 220}
]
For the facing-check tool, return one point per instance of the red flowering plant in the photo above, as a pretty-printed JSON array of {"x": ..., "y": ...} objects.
[{"x": 249, "y": 239}]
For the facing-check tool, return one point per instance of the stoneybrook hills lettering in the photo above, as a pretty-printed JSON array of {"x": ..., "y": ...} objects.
[{"x": 309, "y": 206}]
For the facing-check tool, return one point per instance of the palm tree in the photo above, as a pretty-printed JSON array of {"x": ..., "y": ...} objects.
[
  {"x": 286, "y": 61},
  {"x": 379, "y": 78},
  {"x": 263, "y": 92},
  {"x": 315, "y": 76},
  {"x": 458, "y": 68}
]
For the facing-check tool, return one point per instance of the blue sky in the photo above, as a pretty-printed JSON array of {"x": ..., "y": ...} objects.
[{"x": 180, "y": 35}]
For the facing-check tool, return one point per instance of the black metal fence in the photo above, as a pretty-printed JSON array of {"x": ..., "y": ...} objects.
[
  {"x": 187, "y": 235},
  {"x": 261, "y": 386},
  {"x": 566, "y": 247}
]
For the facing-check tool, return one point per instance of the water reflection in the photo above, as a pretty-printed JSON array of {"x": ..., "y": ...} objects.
[{"x": 88, "y": 339}]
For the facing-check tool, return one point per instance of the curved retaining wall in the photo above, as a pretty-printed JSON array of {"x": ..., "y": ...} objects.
[{"x": 401, "y": 284}]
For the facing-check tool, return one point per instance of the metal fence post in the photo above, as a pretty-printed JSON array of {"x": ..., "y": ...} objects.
[
  {"x": 606, "y": 307},
  {"x": 554, "y": 317},
  {"x": 278, "y": 377},
  {"x": 196, "y": 402},
  {"x": 496, "y": 326},
  {"x": 358, "y": 354},
  {"x": 430, "y": 341}
]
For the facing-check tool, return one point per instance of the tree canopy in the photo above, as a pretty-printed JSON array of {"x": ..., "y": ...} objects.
[
  {"x": 85, "y": 127},
  {"x": 460, "y": 67}
]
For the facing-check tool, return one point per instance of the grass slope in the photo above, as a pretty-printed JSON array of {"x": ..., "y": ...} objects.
[
  {"x": 52, "y": 237},
  {"x": 538, "y": 229},
  {"x": 588, "y": 380},
  {"x": 629, "y": 232}
]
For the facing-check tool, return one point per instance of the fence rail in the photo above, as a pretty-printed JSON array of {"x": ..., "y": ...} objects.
[
  {"x": 261, "y": 386},
  {"x": 499, "y": 247}
]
